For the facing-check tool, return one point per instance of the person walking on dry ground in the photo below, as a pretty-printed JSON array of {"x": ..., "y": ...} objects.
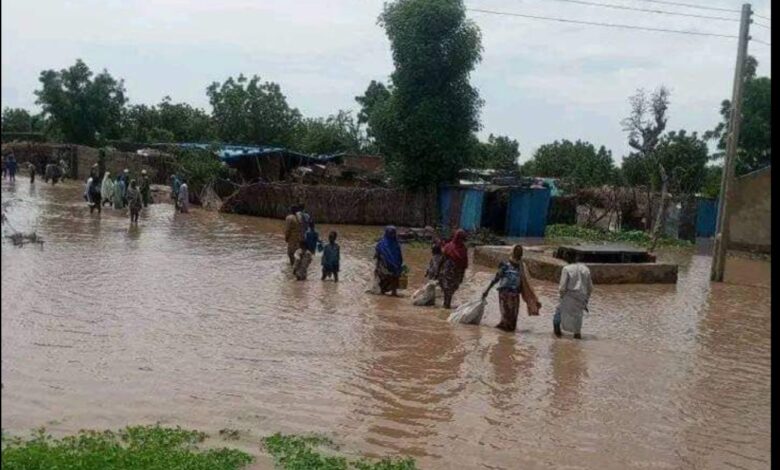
[
  {"x": 134, "y": 201},
  {"x": 303, "y": 259},
  {"x": 575, "y": 288},
  {"x": 456, "y": 260},
  {"x": 331, "y": 258},
  {"x": 513, "y": 283}
]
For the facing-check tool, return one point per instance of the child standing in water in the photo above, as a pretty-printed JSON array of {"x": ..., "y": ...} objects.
[
  {"x": 331, "y": 257},
  {"x": 302, "y": 261}
]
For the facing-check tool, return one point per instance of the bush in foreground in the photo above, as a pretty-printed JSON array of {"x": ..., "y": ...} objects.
[
  {"x": 135, "y": 447},
  {"x": 316, "y": 453}
]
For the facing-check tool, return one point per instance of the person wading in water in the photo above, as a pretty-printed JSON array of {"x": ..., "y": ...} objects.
[
  {"x": 134, "y": 201},
  {"x": 575, "y": 289},
  {"x": 513, "y": 283},
  {"x": 389, "y": 262},
  {"x": 456, "y": 260},
  {"x": 293, "y": 235}
]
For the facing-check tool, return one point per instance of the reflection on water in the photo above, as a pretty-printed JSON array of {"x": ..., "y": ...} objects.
[{"x": 192, "y": 320}]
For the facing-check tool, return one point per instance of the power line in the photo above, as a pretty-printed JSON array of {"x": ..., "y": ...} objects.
[
  {"x": 689, "y": 5},
  {"x": 594, "y": 23},
  {"x": 762, "y": 17},
  {"x": 761, "y": 42},
  {"x": 647, "y": 10},
  {"x": 762, "y": 25}
]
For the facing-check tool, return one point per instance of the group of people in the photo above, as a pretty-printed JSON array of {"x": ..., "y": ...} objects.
[
  {"x": 448, "y": 264},
  {"x": 119, "y": 192},
  {"x": 303, "y": 241},
  {"x": 124, "y": 191},
  {"x": 180, "y": 194}
]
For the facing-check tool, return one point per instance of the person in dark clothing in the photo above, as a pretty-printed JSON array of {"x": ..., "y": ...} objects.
[
  {"x": 10, "y": 164},
  {"x": 32, "y": 173},
  {"x": 146, "y": 189},
  {"x": 331, "y": 258}
]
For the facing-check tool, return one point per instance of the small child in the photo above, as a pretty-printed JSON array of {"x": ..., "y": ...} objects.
[
  {"x": 302, "y": 261},
  {"x": 331, "y": 256},
  {"x": 432, "y": 273}
]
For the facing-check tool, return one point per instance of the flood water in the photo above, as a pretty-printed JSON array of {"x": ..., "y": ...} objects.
[{"x": 193, "y": 320}]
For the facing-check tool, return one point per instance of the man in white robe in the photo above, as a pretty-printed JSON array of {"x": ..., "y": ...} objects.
[{"x": 575, "y": 289}]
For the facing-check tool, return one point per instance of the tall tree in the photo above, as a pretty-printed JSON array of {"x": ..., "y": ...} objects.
[
  {"x": 425, "y": 126},
  {"x": 251, "y": 111},
  {"x": 645, "y": 125},
  {"x": 498, "y": 153},
  {"x": 754, "y": 149},
  {"x": 579, "y": 163},
  {"x": 84, "y": 109}
]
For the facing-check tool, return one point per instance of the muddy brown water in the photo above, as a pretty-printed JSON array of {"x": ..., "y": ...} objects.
[{"x": 192, "y": 320}]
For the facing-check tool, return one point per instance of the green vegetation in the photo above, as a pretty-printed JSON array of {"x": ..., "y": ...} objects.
[
  {"x": 292, "y": 452},
  {"x": 133, "y": 448},
  {"x": 425, "y": 126},
  {"x": 755, "y": 137},
  {"x": 579, "y": 163},
  {"x": 562, "y": 232},
  {"x": 199, "y": 168}
]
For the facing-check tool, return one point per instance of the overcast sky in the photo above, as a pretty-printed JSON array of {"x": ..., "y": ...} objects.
[{"x": 540, "y": 80}]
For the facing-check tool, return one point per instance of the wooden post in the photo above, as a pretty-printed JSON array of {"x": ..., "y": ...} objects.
[{"x": 735, "y": 119}]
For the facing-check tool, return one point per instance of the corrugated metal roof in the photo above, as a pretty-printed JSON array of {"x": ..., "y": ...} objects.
[{"x": 234, "y": 153}]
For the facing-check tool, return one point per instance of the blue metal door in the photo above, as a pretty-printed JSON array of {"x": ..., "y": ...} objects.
[{"x": 706, "y": 217}]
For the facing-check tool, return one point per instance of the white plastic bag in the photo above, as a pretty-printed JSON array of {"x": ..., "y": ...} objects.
[
  {"x": 425, "y": 295},
  {"x": 469, "y": 313},
  {"x": 373, "y": 286}
]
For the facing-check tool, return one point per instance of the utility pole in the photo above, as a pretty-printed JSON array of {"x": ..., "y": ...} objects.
[{"x": 732, "y": 141}]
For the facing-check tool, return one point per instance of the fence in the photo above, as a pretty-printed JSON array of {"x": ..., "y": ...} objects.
[{"x": 336, "y": 204}]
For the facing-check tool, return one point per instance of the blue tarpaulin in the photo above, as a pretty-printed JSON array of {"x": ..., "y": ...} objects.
[
  {"x": 234, "y": 153},
  {"x": 706, "y": 217},
  {"x": 527, "y": 212},
  {"x": 461, "y": 207}
]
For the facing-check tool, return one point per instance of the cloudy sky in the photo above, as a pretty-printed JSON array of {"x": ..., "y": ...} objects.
[{"x": 540, "y": 80}]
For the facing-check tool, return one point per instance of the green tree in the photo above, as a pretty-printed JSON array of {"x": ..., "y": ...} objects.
[
  {"x": 579, "y": 163},
  {"x": 184, "y": 122},
  {"x": 685, "y": 157},
  {"x": 376, "y": 93},
  {"x": 499, "y": 153},
  {"x": 336, "y": 133},
  {"x": 754, "y": 150},
  {"x": 251, "y": 112},
  {"x": 425, "y": 126},
  {"x": 635, "y": 171},
  {"x": 82, "y": 108},
  {"x": 16, "y": 120},
  {"x": 712, "y": 178}
]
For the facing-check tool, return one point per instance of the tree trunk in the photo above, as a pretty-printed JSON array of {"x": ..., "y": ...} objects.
[{"x": 661, "y": 215}]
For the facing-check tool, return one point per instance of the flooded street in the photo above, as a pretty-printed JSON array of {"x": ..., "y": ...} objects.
[{"x": 192, "y": 320}]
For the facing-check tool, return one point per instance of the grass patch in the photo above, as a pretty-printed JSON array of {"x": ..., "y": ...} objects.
[
  {"x": 635, "y": 237},
  {"x": 135, "y": 447},
  {"x": 292, "y": 452}
]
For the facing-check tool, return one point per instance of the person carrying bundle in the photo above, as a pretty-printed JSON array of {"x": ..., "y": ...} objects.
[{"x": 513, "y": 283}]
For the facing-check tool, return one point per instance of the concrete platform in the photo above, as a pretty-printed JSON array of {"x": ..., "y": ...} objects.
[{"x": 542, "y": 265}]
